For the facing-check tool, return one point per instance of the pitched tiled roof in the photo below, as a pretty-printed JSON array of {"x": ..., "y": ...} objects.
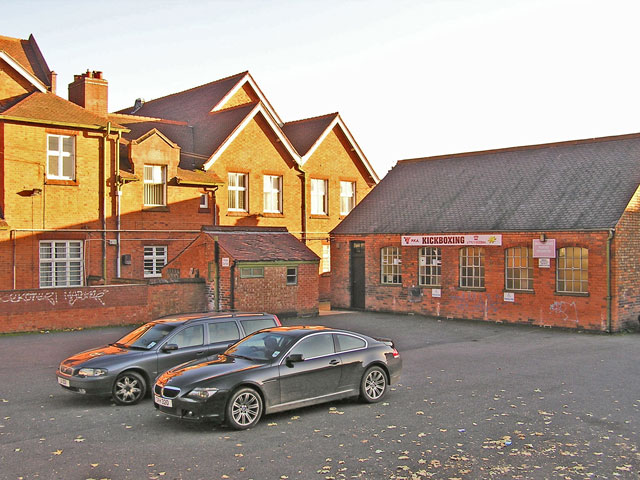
[
  {"x": 261, "y": 244},
  {"x": 197, "y": 177},
  {"x": 28, "y": 55},
  {"x": 178, "y": 132},
  {"x": 47, "y": 107},
  {"x": 578, "y": 185},
  {"x": 304, "y": 133}
]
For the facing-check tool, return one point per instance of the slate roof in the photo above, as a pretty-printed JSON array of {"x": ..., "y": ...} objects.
[
  {"x": 304, "y": 133},
  {"x": 28, "y": 55},
  {"x": 261, "y": 244},
  {"x": 578, "y": 185}
]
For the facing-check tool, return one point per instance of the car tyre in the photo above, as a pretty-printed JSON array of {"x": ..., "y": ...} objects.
[
  {"x": 129, "y": 388},
  {"x": 244, "y": 408},
  {"x": 374, "y": 385}
]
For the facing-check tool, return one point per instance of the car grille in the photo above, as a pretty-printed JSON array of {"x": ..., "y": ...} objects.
[
  {"x": 66, "y": 370},
  {"x": 167, "y": 392}
]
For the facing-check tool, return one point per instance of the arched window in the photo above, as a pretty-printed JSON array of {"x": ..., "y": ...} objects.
[
  {"x": 390, "y": 264},
  {"x": 518, "y": 270},
  {"x": 430, "y": 263},
  {"x": 472, "y": 267},
  {"x": 572, "y": 270}
]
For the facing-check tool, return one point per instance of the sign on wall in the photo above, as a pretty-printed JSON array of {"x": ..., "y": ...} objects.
[
  {"x": 546, "y": 249},
  {"x": 440, "y": 240}
]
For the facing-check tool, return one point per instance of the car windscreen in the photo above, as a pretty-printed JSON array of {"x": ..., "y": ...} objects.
[
  {"x": 147, "y": 336},
  {"x": 262, "y": 346}
]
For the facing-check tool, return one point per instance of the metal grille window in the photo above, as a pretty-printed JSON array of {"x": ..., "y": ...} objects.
[
  {"x": 518, "y": 268},
  {"x": 155, "y": 185},
  {"x": 251, "y": 272},
  {"x": 237, "y": 188},
  {"x": 318, "y": 197},
  {"x": 430, "y": 264},
  {"x": 292, "y": 275},
  {"x": 347, "y": 197},
  {"x": 390, "y": 263},
  {"x": 472, "y": 267},
  {"x": 61, "y": 157},
  {"x": 61, "y": 264},
  {"x": 155, "y": 258},
  {"x": 572, "y": 269},
  {"x": 272, "y": 194},
  {"x": 204, "y": 200}
]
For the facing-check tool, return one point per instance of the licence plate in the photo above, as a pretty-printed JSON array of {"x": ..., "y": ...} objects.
[
  {"x": 165, "y": 402},
  {"x": 64, "y": 382}
]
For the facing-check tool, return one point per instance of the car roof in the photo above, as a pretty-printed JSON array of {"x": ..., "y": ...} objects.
[{"x": 194, "y": 317}]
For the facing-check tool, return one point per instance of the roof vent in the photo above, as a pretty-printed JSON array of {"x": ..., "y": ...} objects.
[{"x": 137, "y": 105}]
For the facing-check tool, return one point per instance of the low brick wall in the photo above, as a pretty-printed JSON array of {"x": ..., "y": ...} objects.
[{"x": 81, "y": 307}]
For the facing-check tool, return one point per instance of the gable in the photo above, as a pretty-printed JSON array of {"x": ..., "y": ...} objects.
[
  {"x": 12, "y": 84},
  {"x": 154, "y": 149},
  {"x": 245, "y": 94}
]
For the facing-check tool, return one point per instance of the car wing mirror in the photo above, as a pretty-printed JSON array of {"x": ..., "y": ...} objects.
[
  {"x": 294, "y": 358},
  {"x": 170, "y": 347}
]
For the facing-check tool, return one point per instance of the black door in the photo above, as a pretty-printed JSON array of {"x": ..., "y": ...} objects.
[{"x": 357, "y": 274}]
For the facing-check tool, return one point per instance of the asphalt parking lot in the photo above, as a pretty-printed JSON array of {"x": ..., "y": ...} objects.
[{"x": 476, "y": 401}]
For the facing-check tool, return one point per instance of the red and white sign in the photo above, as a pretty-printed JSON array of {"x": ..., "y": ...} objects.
[
  {"x": 546, "y": 249},
  {"x": 440, "y": 240}
]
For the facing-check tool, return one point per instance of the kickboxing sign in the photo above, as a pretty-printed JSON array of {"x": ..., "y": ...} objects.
[{"x": 440, "y": 240}]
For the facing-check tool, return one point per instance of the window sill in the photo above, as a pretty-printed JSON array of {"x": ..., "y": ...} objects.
[
  {"x": 316, "y": 216},
  {"x": 571, "y": 294},
  {"x": 472, "y": 289},
  {"x": 272, "y": 214},
  {"x": 391, "y": 284},
  {"x": 69, "y": 183},
  {"x": 431, "y": 287},
  {"x": 511, "y": 290},
  {"x": 237, "y": 214},
  {"x": 155, "y": 209}
]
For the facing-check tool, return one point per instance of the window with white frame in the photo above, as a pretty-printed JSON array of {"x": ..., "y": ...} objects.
[
  {"x": 292, "y": 275},
  {"x": 347, "y": 197},
  {"x": 251, "y": 272},
  {"x": 272, "y": 194},
  {"x": 572, "y": 270},
  {"x": 518, "y": 273},
  {"x": 390, "y": 264},
  {"x": 472, "y": 267},
  {"x": 61, "y": 159},
  {"x": 237, "y": 188},
  {"x": 326, "y": 258},
  {"x": 155, "y": 185},
  {"x": 430, "y": 264},
  {"x": 319, "y": 204},
  {"x": 204, "y": 201},
  {"x": 61, "y": 263},
  {"x": 155, "y": 257}
]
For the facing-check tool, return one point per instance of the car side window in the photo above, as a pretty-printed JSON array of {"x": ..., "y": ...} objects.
[
  {"x": 189, "y": 337},
  {"x": 315, "y": 346},
  {"x": 349, "y": 342},
  {"x": 256, "y": 324},
  {"x": 223, "y": 332}
]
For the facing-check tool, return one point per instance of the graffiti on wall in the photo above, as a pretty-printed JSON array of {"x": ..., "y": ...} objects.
[{"x": 69, "y": 297}]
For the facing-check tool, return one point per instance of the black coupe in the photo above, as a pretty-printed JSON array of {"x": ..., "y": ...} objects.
[{"x": 278, "y": 369}]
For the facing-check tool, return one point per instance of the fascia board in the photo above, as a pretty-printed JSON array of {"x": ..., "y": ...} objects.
[{"x": 23, "y": 72}]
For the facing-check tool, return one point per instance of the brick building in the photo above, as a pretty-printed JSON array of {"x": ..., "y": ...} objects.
[
  {"x": 88, "y": 197},
  {"x": 544, "y": 235}
]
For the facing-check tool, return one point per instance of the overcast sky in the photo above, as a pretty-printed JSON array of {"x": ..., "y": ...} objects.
[{"x": 410, "y": 78}]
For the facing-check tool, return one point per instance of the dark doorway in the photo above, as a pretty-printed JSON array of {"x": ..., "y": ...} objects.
[{"x": 357, "y": 274}]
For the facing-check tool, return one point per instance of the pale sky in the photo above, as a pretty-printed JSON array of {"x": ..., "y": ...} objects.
[{"x": 410, "y": 78}]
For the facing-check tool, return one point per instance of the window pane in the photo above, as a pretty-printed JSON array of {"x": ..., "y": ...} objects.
[
  {"x": 223, "y": 332},
  {"x": 390, "y": 265},
  {"x": 349, "y": 342},
  {"x": 251, "y": 326},
  {"x": 315, "y": 346}
]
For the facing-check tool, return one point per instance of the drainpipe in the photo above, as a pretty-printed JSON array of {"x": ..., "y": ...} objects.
[
  {"x": 216, "y": 256},
  {"x": 118, "y": 182},
  {"x": 12, "y": 235},
  {"x": 303, "y": 224},
  {"x": 609, "y": 297},
  {"x": 104, "y": 202},
  {"x": 232, "y": 272}
]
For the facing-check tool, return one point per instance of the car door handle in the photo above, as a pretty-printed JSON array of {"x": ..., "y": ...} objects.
[
  {"x": 334, "y": 362},
  {"x": 200, "y": 353}
]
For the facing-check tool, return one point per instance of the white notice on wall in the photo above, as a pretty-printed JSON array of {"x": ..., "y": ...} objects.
[
  {"x": 225, "y": 262},
  {"x": 544, "y": 263},
  {"x": 435, "y": 292},
  {"x": 509, "y": 297}
]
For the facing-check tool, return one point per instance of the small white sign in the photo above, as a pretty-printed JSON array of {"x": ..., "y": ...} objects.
[
  {"x": 436, "y": 292},
  {"x": 544, "y": 263},
  {"x": 509, "y": 297},
  {"x": 225, "y": 262}
]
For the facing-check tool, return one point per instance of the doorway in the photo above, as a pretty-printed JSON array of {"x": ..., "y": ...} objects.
[{"x": 357, "y": 274}]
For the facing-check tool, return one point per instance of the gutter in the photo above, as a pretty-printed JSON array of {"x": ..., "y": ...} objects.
[{"x": 609, "y": 287}]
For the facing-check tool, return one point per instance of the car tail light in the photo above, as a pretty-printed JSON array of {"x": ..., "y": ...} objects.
[
  {"x": 278, "y": 323},
  {"x": 395, "y": 353}
]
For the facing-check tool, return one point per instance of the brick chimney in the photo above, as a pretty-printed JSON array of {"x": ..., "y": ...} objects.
[{"x": 90, "y": 90}]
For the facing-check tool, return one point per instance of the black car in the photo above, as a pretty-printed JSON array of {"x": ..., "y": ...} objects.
[
  {"x": 126, "y": 368},
  {"x": 279, "y": 369}
]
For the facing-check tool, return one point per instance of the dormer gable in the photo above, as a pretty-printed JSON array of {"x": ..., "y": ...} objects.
[{"x": 153, "y": 148}]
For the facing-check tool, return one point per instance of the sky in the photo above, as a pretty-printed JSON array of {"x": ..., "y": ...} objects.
[{"x": 410, "y": 78}]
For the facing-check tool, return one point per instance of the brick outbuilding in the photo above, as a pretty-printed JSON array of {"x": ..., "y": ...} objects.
[
  {"x": 544, "y": 235},
  {"x": 251, "y": 269}
]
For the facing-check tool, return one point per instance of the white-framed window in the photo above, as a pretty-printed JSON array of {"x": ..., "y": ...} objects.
[
  {"x": 204, "y": 201},
  {"x": 155, "y": 185},
  {"x": 572, "y": 270},
  {"x": 472, "y": 267},
  {"x": 319, "y": 204},
  {"x": 430, "y": 265},
  {"x": 347, "y": 197},
  {"x": 518, "y": 268},
  {"x": 237, "y": 187},
  {"x": 272, "y": 194},
  {"x": 61, "y": 158},
  {"x": 251, "y": 272},
  {"x": 292, "y": 275},
  {"x": 326, "y": 258},
  {"x": 61, "y": 263},
  {"x": 390, "y": 266},
  {"x": 155, "y": 257}
]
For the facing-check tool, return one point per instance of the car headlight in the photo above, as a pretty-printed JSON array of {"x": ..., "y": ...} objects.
[
  {"x": 92, "y": 372},
  {"x": 202, "y": 393}
]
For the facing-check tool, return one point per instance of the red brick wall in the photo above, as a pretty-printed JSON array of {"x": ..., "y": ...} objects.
[
  {"x": 544, "y": 307},
  {"x": 60, "y": 308}
]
